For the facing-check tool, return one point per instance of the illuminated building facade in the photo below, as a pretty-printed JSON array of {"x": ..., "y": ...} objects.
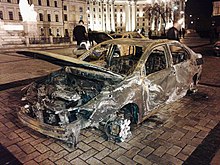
[
  {"x": 54, "y": 17},
  {"x": 58, "y": 17},
  {"x": 130, "y": 15}
]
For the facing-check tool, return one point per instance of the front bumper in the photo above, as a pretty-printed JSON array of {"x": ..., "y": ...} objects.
[{"x": 62, "y": 133}]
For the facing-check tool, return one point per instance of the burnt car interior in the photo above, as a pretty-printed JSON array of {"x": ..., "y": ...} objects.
[
  {"x": 124, "y": 58},
  {"x": 156, "y": 61},
  {"x": 120, "y": 58}
]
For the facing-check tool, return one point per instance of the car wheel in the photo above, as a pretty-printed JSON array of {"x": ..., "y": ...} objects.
[{"x": 118, "y": 129}]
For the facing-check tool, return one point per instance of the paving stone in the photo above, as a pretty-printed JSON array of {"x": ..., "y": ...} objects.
[
  {"x": 28, "y": 157},
  {"x": 46, "y": 162},
  {"x": 160, "y": 151},
  {"x": 96, "y": 145},
  {"x": 110, "y": 145},
  {"x": 146, "y": 151},
  {"x": 141, "y": 160},
  {"x": 177, "y": 135},
  {"x": 132, "y": 152},
  {"x": 55, "y": 147},
  {"x": 36, "y": 142},
  {"x": 41, "y": 148},
  {"x": 191, "y": 129},
  {"x": 14, "y": 149},
  {"x": 189, "y": 135},
  {"x": 135, "y": 143},
  {"x": 89, "y": 139},
  {"x": 187, "y": 150},
  {"x": 153, "y": 136},
  {"x": 203, "y": 128},
  {"x": 44, "y": 156},
  {"x": 125, "y": 160},
  {"x": 174, "y": 150},
  {"x": 204, "y": 121},
  {"x": 28, "y": 148},
  {"x": 182, "y": 156},
  {"x": 125, "y": 145},
  {"x": 78, "y": 161},
  {"x": 88, "y": 154},
  {"x": 73, "y": 155},
  {"x": 58, "y": 155},
  {"x": 62, "y": 162},
  {"x": 195, "y": 142},
  {"x": 117, "y": 153},
  {"x": 108, "y": 160},
  {"x": 24, "y": 135},
  {"x": 158, "y": 160},
  {"x": 172, "y": 159},
  {"x": 83, "y": 146},
  {"x": 31, "y": 162},
  {"x": 12, "y": 135},
  {"x": 103, "y": 153},
  {"x": 94, "y": 161},
  {"x": 202, "y": 134}
]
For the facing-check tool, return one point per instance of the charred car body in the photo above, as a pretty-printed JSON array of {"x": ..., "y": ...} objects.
[{"x": 124, "y": 81}]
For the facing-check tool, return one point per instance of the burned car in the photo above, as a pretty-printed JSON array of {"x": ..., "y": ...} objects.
[{"x": 113, "y": 85}]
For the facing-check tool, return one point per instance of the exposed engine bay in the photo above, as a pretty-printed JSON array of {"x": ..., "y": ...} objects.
[{"x": 51, "y": 98}]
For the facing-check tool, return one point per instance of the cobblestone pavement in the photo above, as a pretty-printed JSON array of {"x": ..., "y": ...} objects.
[{"x": 169, "y": 137}]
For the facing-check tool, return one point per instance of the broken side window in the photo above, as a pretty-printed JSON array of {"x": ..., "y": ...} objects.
[
  {"x": 98, "y": 53},
  {"x": 179, "y": 54},
  {"x": 156, "y": 60},
  {"x": 124, "y": 58}
]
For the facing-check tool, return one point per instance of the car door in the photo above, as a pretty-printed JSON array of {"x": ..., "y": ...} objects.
[
  {"x": 182, "y": 65},
  {"x": 159, "y": 77}
]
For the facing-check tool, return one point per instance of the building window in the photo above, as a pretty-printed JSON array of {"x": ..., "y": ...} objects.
[
  {"x": 19, "y": 15},
  {"x": 94, "y": 9},
  {"x": 41, "y": 17},
  {"x": 80, "y": 9},
  {"x": 50, "y": 32},
  {"x": 17, "y": 1},
  {"x": 1, "y": 15},
  {"x": 39, "y": 2},
  {"x": 42, "y": 31},
  {"x": 65, "y": 17},
  {"x": 143, "y": 24},
  {"x": 9, "y": 1},
  {"x": 48, "y": 17},
  {"x": 56, "y": 18},
  {"x": 99, "y": 10},
  {"x": 55, "y": 3},
  {"x": 10, "y": 13},
  {"x": 48, "y": 2},
  {"x": 64, "y": 7},
  {"x": 58, "y": 32}
]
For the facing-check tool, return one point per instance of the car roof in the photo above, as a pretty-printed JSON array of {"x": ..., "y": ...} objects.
[{"x": 138, "y": 41}]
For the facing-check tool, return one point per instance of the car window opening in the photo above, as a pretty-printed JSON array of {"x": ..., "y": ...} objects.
[
  {"x": 156, "y": 61},
  {"x": 124, "y": 58}
]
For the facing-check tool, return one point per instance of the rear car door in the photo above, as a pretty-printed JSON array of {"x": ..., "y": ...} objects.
[
  {"x": 160, "y": 79},
  {"x": 182, "y": 65}
]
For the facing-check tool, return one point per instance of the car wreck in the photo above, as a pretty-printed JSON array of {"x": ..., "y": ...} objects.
[{"x": 111, "y": 86}]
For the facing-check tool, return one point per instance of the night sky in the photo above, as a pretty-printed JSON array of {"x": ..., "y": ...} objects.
[
  {"x": 201, "y": 11},
  {"x": 199, "y": 8}
]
